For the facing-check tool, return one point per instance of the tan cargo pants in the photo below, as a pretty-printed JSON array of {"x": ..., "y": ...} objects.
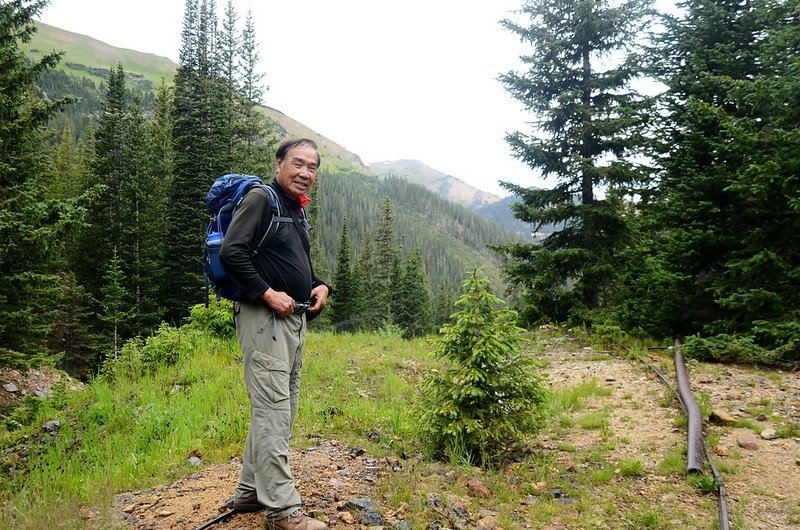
[{"x": 272, "y": 349}]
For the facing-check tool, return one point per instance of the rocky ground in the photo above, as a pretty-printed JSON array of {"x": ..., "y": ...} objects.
[{"x": 753, "y": 440}]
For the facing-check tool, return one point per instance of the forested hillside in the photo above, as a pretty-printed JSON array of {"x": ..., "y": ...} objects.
[{"x": 444, "y": 185}]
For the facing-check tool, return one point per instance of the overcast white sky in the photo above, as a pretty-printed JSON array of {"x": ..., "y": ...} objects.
[{"x": 386, "y": 80}]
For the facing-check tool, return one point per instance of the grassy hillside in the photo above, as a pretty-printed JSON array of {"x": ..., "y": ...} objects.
[
  {"x": 180, "y": 394},
  {"x": 91, "y": 59},
  {"x": 335, "y": 158}
]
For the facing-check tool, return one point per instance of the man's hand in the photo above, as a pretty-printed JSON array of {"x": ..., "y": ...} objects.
[
  {"x": 320, "y": 296},
  {"x": 280, "y": 302}
]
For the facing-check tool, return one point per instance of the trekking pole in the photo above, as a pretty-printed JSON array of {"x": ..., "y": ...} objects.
[{"x": 215, "y": 520}]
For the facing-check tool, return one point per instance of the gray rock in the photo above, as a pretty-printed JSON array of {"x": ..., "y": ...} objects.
[
  {"x": 359, "y": 503},
  {"x": 769, "y": 434},
  {"x": 193, "y": 460},
  {"x": 402, "y": 525},
  {"x": 52, "y": 427},
  {"x": 11, "y": 387},
  {"x": 371, "y": 518}
]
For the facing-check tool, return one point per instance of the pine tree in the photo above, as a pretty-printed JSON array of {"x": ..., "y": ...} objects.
[
  {"x": 67, "y": 171},
  {"x": 698, "y": 215},
  {"x": 141, "y": 249},
  {"x": 200, "y": 157},
  {"x": 414, "y": 313},
  {"x": 725, "y": 196},
  {"x": 227, "y": 68},
  {"x": 31, "y": 224},
  {"x": 116, "y": 312},
  {"x": 488, "y": 396},
  {"x": 586, "y": 120},
  {"x": 257, "y": 142},
  {"x": 364, "y": 288},
  {"x": 387, "y": 259},
  {"x": 343, "y": 307}
]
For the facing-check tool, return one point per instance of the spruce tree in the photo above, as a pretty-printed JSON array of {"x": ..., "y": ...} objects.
[
  {"x": 200, "y": 157},
  {"x": 364, "y": 288},
  {"x": 698, "y": 215},
  {"x": 729, "y": 156},
  {"x": 343, "y": 308},
  {"x": 141, "y": 249},
  {"x": 414, "y": 313},
  {"x": 31, "y": 223},
  {"x": 488, "y": 395},
  {"x": 387, "y": 258},
  {"x": 257, "y": 142},
  {"x": 577, "y": 83},
  {"x": 228, "y": 72},
  {"x": 116, "y": 312}
]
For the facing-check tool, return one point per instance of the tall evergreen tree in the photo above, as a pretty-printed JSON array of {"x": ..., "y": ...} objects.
[
  {"x": 31, "y": 224},
  {"x": 343, "y": 305},
  {"x": 200, "y": 157},
  {"x": 727, "y": 190},
  {"x": 365, "y": 287},
  {"x": 227, "y": 68},
  {"x": 580, "y": 66},
  {"x": 387, "y": 259},
  {"x": 706, "y": 51},
  {"x": 116, "y": 312},
  {"x": 257, "y": 142},
  {"x": 141, "y": 248},
  {"x": 414, "y": 313}
]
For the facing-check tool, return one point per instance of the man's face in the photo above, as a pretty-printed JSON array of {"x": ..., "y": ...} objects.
[{"x": 298, "y": 171}]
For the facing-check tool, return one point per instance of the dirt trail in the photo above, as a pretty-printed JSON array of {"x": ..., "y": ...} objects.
[{"x": 763, "y": 483}]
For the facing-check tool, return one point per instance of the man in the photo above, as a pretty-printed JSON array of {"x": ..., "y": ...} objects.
[{"x": 271, "y": 327}]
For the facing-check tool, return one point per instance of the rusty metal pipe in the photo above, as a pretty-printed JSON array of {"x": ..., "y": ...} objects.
[{"x": 694, "y": 456}]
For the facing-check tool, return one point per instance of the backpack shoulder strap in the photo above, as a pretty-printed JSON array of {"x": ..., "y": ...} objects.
[{"x": 275, "y": 205}]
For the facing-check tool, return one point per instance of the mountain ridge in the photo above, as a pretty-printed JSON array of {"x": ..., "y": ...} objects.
[
  {"x": 153, "y": 68},
  {"x": 441, "y": 183}
]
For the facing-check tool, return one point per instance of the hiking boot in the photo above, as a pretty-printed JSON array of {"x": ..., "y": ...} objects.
[
  {"x": 246, "y": 507},
  {"x": 297, "y": 521}
]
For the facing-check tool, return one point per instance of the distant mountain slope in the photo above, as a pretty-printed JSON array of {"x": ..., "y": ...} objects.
[
  {"x": 444, "y": 185},
  {"x": 334, "y": 157},
  {"x": 488, "y": 205},
  {"x": 89, "y": 58}
]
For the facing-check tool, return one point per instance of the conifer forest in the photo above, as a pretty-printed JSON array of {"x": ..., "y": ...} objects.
[{"x": 676, "y": 210}]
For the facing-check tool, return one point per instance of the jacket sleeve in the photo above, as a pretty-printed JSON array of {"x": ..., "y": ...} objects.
[
  {"x": 317, "y": 282},
  {"x": 251, "y": 217}
]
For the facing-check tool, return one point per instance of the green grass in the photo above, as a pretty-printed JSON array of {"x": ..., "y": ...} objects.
[
  {"x": 631, "y": 468},
  {"x": 570, "y": 399},
  {"x": 135, "y": 433}
]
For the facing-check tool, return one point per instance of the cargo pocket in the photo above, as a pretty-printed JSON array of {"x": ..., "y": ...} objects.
[{"x": 270, "y": 382}]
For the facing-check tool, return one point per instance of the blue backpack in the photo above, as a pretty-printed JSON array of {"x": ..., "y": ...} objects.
[{"x": 222, "y": 199}]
